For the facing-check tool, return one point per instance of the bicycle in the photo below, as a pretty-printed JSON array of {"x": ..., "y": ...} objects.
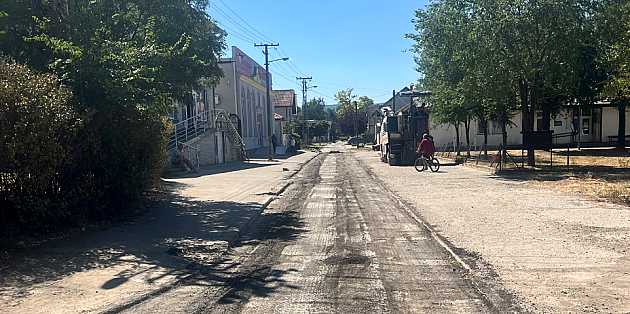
[{"x": 432, "y": 163}]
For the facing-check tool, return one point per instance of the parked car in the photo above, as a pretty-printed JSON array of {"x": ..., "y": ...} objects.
[{"x": 355, "y": 141}]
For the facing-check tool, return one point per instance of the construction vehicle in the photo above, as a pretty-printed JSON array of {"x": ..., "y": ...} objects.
[{"x": 402, "y": 131}]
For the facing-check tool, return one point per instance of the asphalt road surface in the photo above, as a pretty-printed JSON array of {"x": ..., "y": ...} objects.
[{"x": 335, "y": 242}]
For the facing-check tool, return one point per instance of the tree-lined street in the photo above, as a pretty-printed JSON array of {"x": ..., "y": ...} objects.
[{"x": 350, "y": 234}]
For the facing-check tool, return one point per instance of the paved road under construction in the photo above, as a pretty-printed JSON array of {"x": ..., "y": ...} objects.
[{"x": 336, "y": 241}]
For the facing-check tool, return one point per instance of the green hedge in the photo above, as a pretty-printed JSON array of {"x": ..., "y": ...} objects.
[{"x": 62, "y": 164}]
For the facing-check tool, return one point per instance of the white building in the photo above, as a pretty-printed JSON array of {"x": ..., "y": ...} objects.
[{"x": 597, "y": 125}]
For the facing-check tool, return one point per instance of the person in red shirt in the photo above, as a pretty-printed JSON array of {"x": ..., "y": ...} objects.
[{"x": 426, "y": 146}]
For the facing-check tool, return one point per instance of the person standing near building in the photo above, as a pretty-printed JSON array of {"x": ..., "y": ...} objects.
[{"x": 274, "y": 141}]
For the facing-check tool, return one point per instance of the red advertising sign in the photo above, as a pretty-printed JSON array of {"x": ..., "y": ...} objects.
[{"x": 248, "y": 67}]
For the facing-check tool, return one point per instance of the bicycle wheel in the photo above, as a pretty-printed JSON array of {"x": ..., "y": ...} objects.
[
  {"x": 434, "y": 165},
  {"x": 418, "y": 164}
]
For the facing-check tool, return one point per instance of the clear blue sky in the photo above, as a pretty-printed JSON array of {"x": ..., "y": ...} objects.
[{"x": 340, "y": 44}]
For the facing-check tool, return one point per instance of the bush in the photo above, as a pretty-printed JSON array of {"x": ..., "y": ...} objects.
[
  {"x": 120, "y": 157},
  {"x": 61, "y": 165},
  {"x": 38, "y": 124},
  {"x": 298, "y": 140}
]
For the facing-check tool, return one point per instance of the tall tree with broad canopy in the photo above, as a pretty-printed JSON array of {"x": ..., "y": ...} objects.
[
  {"x": 532, "y": 45},
  {"x": 345, "y": 100},
  {"x": 315, "y": 109},
  {"x": 614, "y": 30},
  {"x": 117, "y": 53},
  {"x": 126, "y": 61}
]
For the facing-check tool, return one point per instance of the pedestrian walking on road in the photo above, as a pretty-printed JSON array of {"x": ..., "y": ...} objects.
[{"x": 274, "y": 141}]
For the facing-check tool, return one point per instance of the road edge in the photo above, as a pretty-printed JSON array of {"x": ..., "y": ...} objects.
[
  {"x": 469, "y": 272},
  {"x": 269, "y": 200}
]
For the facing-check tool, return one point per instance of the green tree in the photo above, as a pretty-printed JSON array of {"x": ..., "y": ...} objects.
[
  {"x": 345, "y": 100},
  {"x": 126, "y": 61},
  {"x": 475, "y": 48},
  {"x": 319, "y": 128},
  {"x": 117, "y": 53},
  {"x": 614, "y": 30},
  {"x": 315, "y": 109},
  {"x": 38, "y": 130},
  {"x": 538, "y": 41}
]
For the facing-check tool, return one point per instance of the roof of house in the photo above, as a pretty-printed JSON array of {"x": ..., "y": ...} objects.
[
  {"x": 278, "y": 117},
  {"x": 285, "y": 98}
]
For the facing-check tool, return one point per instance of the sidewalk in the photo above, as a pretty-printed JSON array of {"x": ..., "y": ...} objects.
[{"x": 205, "y": 214}]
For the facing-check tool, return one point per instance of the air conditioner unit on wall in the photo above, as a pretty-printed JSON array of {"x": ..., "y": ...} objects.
[{"x": 216, "y": 100}]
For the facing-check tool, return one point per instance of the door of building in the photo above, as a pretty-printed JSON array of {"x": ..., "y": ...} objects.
[
  {"x": 259, "y": 128},
  {"x": 586, "y": 125}
]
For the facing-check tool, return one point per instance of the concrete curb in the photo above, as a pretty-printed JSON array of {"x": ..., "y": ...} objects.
[
  {"x": 262, "y": 208},
  {"x": 435, "y": 235}
]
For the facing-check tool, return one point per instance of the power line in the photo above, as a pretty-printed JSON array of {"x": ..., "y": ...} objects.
[
  {"x": 283, "y": 65},
  {"x": 358, "y": 88},
  {"x": 236, "y": 34},
  {"x": 283, "y": 70},
  {"x": 305, "y": 88},
  {"x": 249, "y": 33},
  {"x": 318, "y": 93},
  {"x": 265, "y": 37},
  {"x": 291, "y": 65},
  {"x": 292, "y": 62}
]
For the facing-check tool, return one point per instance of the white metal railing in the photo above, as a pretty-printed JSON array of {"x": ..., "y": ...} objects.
[
  {"x": 192, "y": 127},
  {"x": 196, "y": 150},
  {"x": 224, "y": 123}
]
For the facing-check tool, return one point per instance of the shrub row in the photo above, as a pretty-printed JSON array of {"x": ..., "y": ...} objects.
[{"x": 62, "y": 164}]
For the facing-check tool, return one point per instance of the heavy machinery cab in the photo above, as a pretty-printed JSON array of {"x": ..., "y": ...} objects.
[{"x": 402, "y": 131}]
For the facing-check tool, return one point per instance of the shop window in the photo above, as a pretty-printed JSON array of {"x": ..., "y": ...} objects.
[
  {"x": 496, "y": 128},
  {"x": 586, "y": 126},
  {"x": 481, "y": 127}
]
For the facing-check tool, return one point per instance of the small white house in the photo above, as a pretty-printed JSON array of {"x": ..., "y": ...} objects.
[{"x": 597, "y": 126}]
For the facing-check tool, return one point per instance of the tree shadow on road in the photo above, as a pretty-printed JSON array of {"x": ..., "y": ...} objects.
[{"x": 176, "y": 238}]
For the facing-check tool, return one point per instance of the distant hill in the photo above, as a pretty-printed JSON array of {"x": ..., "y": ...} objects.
[{"x": 333, "y": 107}]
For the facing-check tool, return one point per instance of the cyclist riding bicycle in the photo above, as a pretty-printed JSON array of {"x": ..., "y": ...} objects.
[{"x": 426, "y": 146}]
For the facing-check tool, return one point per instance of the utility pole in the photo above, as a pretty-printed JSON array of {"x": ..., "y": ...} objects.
[
  {"x": 304, "y": 114},
  {"x": 394, "y": 100},
  {"x": 355, "y": 121},
  {"x": 270, "y": 111}
]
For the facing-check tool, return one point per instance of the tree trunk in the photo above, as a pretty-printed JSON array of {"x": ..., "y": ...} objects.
[
  {"x": 546, "y": 121},
  {"x": 457, "y": 138},
  {"x": 504, "y": 145},
  {"x": 621, "y": 131},
  {"x": 528, "y": 114},
  {"x": 485, "y": 138},
  {"x": 467, "y": 128}
]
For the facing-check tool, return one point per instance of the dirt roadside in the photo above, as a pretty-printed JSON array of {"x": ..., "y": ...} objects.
[{"x": 557, "y": 252}]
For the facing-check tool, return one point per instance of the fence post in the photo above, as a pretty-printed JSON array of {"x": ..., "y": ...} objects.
[
  {"x": 175, "y": 134},
  {"x": 568, "y": 145}
]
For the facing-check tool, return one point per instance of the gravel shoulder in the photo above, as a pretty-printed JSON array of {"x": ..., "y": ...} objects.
[{"x": 557, "y": 252}]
